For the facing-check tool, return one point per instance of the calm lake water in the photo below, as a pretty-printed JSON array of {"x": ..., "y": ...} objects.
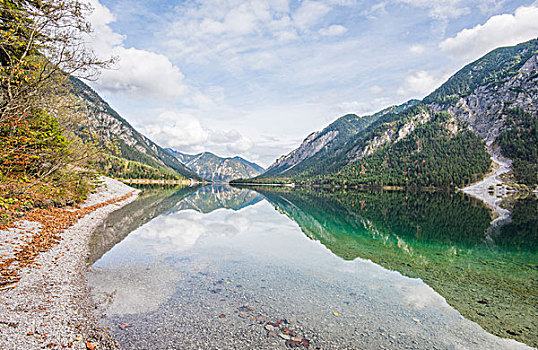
[{"x": 226, "y": 268}]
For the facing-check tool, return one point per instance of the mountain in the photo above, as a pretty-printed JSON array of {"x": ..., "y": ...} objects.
[
  {"x": 127, "y": 153},
  {"x": 490, "y": 105},
  {"x": 321, "y": 148},
  {"x": 254, "y": 166},
  {"x": 497, "y": 95},
  {"x": 214, "y": 168}
]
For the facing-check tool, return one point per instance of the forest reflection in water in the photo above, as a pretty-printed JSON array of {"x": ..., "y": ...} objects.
[{"x": 439, "y": 237}]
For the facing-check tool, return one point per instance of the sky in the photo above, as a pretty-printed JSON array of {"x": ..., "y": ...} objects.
[{"x": 255, "y": 77}]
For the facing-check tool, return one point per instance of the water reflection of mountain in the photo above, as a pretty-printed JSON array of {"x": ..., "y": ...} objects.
[
  {"x": 438, "y": 237},
  {"x": 210, "y": 198},
  {"x": 151, "y": 203},
  {"x": 521, "y": 233}
]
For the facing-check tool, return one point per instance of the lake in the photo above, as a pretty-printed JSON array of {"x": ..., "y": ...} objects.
[{"x": 218, "y": 267}]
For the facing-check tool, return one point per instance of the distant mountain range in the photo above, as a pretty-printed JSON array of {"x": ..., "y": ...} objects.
[
  {"x": 217, "y": 169},
  {"x": 489, "y": 105},
  {"x": 126, "y": 152}
]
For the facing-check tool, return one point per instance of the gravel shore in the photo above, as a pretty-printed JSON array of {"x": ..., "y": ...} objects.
[
  {"x": 50, "y": 306},
  {"x": 481, "y": 189}
]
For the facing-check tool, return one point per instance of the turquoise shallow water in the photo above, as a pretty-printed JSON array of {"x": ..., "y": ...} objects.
[
  {"x": 490, "y": 276},
  {"x": 346, "y": 269}
]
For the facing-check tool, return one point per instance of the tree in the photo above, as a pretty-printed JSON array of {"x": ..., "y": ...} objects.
[{"x": 42, "y": 43}]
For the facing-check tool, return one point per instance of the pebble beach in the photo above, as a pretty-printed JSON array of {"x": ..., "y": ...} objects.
[{"x": 50, "y": 306}]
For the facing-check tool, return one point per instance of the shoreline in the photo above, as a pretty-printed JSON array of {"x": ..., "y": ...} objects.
[
  {"x": 50, "y": 306},
  {"x": 253, "y": 184},
  {"x": 481, "y": 189},
  {"x": 187, "y": 182}
]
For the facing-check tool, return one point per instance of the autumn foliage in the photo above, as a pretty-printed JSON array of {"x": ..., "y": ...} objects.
[
  {"x": 53, "y": 221},
  {"x": 42, "y": 162}
]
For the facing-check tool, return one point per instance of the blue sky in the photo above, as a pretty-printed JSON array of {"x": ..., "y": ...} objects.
[{"x": 254, "y": 77}]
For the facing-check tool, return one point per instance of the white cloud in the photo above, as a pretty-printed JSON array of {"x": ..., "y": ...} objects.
[
  {"x": 240, "y": 20},
  {"x": 262, "y": 60},
  {"x": 176, "y": 130},
  {"x": 375, "y": 11},
  {"x": 205, "y": 32},
  {"x": 185, "y": 133},
  {"x": 233, "y": 140},
  {"x": 137, "y": 73},
  {"x": 140, "y": 73},
  {"x": 225, "y": 136},
  {"x": 103, "y": 37},
  {"x": 210, "y": 29},
  {"x": 361, "y": 108},
  {"x": 310, "y": 13},
  {"x": 501, "y": 30},
  {"x": 287, "y": 35},
  {"x": 241, "y": 145},
  {"x": 420, "y": 83},
  {"x": 376, "y": 89},
  {"x": 230, "y": 18},
  {"x": 443, "y": 9},
  {"x": 333, "y": 30},
  {"x": 417, "y": 49}
]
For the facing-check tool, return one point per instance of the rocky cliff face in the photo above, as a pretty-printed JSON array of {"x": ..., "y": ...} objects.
[
  {"x": 320, "y": 149},
  {"x": 114, "y": 133},
  {"x": 483, "y": 108},
  {"x": 214, "y": 168},
  {"x": 310, "y": 146},
  {"x": 477, "y": 95},
  {"x": 392, "y": 133}
]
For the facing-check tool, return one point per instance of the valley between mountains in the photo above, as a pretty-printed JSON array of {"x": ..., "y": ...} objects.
[
  {"x": 487, "y": 109},
  {"x": 365, "y": 236}
]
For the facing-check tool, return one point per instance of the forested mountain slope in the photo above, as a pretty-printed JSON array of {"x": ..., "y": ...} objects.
[
  {"x": 127, "y": 153},
  {"x": 490, "y": 104},
  {"x": 320, "y": 149},
  {"x": 497, "y": 95}
]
